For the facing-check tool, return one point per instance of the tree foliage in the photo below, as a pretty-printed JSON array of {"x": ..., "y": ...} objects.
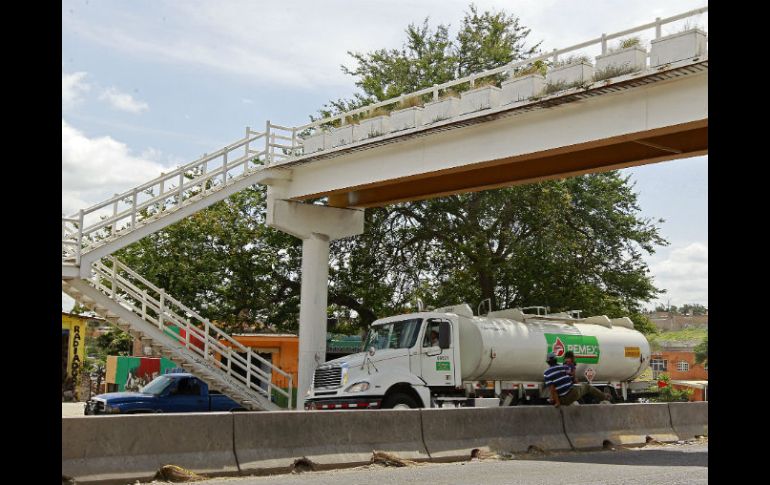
[{"x": 702, "y": 352}]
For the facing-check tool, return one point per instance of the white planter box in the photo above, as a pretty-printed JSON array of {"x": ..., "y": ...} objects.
[
  {"x": 633, "y": 59},
  {"x": 678, "y": 47},
  {"x": 570, "y": 74},
  {"x": 522, "y": 88},
  {"x": 440, "y": 110},
  {"x": 480, "y": 98},
  {"x": 371, "y": 127},
  {"x": 404, "y": 119},
  {"x": 341, "y": 136},
  {"x": 316, "y": 142}
]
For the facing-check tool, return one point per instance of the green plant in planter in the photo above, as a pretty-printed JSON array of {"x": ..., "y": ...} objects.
[
  {"x": 572, "y": 59},
  {"x": 537, "y": 67},
  {"x": 614, "y": 71},
  {"x": 410, "y": 102},
  {"x": 372, "y": 113},
  {"x": 449, "y": 93},
  {"x": 628, "y": 42}
]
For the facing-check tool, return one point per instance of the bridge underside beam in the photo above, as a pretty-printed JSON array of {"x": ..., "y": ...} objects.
[{"x": 681, "y": 141}]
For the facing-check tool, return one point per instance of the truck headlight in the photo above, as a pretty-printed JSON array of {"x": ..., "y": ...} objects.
[{"x": 358, "y": 387}]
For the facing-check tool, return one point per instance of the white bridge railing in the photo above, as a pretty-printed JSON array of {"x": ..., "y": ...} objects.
[
  {"x": 508, "y": 69},
  {"x": 175, "y": 320},
  {"x": 193, "y": 181},
  {"x": 255, "y": 151}
]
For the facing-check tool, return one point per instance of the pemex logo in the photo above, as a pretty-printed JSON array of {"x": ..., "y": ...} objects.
[{"x": 558, "y": 347}]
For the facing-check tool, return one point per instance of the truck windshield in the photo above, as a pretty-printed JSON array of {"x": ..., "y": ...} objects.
[
  {"x": 157, "y": 386},
  {"x": 394, "y": 335}
]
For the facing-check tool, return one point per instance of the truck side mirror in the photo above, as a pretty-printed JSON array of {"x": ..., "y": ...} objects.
[{"x": 444, "y": 335}]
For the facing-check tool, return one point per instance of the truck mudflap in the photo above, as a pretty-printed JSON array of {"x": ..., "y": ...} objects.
[{"x": 357, "y": 403}]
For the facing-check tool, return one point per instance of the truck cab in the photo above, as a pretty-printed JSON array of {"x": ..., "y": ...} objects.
[{"x": 403, "y": 359}]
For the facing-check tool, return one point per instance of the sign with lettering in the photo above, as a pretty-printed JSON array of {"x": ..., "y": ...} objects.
[{"x": 586, "y": 348}]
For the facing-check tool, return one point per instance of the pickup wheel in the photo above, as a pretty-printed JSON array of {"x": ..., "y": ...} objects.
[{"x": 399, "y": 401}]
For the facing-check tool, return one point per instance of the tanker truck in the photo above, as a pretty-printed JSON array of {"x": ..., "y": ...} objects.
[{"x": 403, "y": 365}]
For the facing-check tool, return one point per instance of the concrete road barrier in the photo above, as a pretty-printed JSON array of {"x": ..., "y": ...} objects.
[
  {"x": 689, "y": 419},
  {"x": 271, "y": 442},
  {"x": 133, "y": 447},
  {"x": 452, "y": 433},
  {"x": 589, "y": 426}
]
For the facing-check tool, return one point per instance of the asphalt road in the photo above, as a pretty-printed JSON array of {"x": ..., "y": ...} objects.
[{"x": 670, "y": 464}]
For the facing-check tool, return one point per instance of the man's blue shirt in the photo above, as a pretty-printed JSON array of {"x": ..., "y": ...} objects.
[{"x": 559, "y": 377}]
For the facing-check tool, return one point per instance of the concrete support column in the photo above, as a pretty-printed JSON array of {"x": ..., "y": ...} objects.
[
  {"x": 312, "y": 310},
  {"x": 316, "y": 225}
]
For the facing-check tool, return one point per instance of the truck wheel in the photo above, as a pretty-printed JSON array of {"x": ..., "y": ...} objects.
[{"x": 399, "y": 401}]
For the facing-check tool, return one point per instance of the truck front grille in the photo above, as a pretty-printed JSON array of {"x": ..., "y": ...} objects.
[{"x": 327, "y": 377}]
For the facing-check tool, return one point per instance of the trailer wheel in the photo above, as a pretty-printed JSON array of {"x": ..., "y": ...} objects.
[{"x": 399, "y": 401}]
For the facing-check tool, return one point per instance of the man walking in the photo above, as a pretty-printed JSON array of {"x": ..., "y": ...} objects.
[{"x": 563, "y": 390}]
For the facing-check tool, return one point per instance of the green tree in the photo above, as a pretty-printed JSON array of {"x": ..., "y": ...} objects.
[
  {"x": 115, "y": 342},
  {"x": 702, "y": 352}
]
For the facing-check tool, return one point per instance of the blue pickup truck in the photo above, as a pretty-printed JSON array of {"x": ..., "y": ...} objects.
[{"x": 170, "y": 393}]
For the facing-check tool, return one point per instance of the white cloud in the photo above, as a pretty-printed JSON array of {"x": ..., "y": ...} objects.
[
  {"x": 684, "y": 274},
  {"x": 123, "y": 101},
  {"x": 72, "y": 86},
  {"x": 303, "y": 43},
  {"x": 93, "y": 169}
]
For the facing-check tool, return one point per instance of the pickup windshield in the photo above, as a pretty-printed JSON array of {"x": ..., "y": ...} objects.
[
  {"x": 157, "y": 386},
  {"x": 394, "y": 335}
]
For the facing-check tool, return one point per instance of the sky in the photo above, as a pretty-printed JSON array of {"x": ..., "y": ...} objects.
[{"x": 150, "y": 85}]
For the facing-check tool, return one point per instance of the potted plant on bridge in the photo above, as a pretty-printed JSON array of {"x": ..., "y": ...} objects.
[
  {"x": 484, "y": 95},
  {"x": 447, "y": 106},
  {"x": 320, "y": 140},
  {"x": 407, "y": 115},
  {"x": 572, "y": 71},
  {"x": 525, "y": 84},
  {"x": 688, "y": 44},
  {"x": 341, "y": 135},
  {"x": 630, "y": 56},
  {"x": 373, "y": 123}
]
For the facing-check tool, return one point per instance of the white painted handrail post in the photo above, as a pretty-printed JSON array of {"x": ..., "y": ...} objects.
[
  {"x": 230, "y": 361},
  {"x": 657, "y": 28},
  {"x": 114, "y": 282},
  {"x": 180, "y": 190},
  {"x": 246, "y": 146},
  {"x": 186, "y": 335},
  {"x": 79, "y": 247},
  {"x": 144, "y": 305},
  {"x": 133, "y": 209},
  {"x": 161, "y": 308},
  {"x": 162, "y": 204},
  {"x": 224, "y": 168},
  {"x": 114, "y": 213},
  {"x": 248, "y": 367},
  {"x": 206, "y": 342},
  {"x": 604, "y": 43},
  {"x": 267, "y": 143},
  {"x": 435, "y": 92},
  {"x": 294, "y": 141},
  {"x": 291, "y": 386},
  {"x": 272, "y": 146}
]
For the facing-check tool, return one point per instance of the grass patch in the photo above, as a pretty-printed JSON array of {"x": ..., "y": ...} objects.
[{"x": 684, "y": 335}]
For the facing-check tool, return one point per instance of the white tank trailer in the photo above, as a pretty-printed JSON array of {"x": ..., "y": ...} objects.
[{"x": 449, "y": 357}]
